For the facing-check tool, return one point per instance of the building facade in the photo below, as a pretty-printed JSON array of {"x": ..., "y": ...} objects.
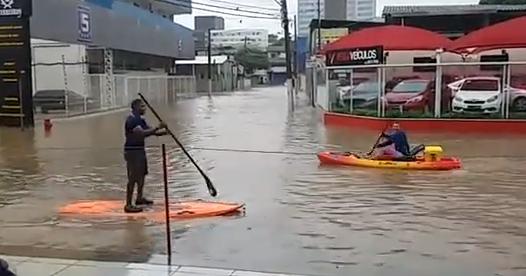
[
  {"x": 144, "y": 27},
  {"x": 201, "y": 25},
  {"x": 357, "y": 10},
  {"x": 452, "y": 21},
  {"x": 86, "y": 50},
  {"x": 239, "y": 38},
  {"x": 206, "y": 22}
]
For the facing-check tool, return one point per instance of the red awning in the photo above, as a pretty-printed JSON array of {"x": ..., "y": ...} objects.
[
  {"x": 392, "y": 38},
  {"x": 502, "y": 35}
]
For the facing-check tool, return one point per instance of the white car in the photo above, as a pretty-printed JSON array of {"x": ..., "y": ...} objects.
[
  {"x": 484, "y": 94},
  {"x": 477, "y": 94}
]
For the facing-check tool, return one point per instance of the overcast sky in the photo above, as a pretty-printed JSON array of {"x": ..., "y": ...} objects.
[{"x": 270, "y": 7}]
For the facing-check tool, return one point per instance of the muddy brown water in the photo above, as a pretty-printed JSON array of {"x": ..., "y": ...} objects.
[{"x": 301, "y": 218}]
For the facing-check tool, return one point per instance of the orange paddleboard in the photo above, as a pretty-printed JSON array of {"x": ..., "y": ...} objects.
[{"x": 180, "y": 210}]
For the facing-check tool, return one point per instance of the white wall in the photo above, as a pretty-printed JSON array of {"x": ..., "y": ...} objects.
[
  {"x": 517, "y": 55},
  {"x": 405, "y": 60},
  {"x": 255, "y": 38},
  {"x": 48, "y": 70},
  {"x": 308, "y": 10},
  {"x": 406, "y": 57}
]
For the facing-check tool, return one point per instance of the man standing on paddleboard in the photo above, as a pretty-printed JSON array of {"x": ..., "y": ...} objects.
[{"x": 136, "y": 130}]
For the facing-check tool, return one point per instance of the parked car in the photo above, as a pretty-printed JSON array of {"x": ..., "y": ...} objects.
[
  {"x": 416, "y": 94},
  {"x": 344, "y": 86},
  {"x": 485, "y": 95},
  {"x": 361, "y": 93},
  {"x": 59, "y": 100},
  {"x": 396, "y": 80}
]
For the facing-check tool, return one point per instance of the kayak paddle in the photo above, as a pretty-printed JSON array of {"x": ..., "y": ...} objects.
[
  {"x": 378, "y": 140},
  {"x": 211, "y": 189}
]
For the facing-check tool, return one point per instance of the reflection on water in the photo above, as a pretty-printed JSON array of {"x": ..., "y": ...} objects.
[{"x": 301, "y": 218}]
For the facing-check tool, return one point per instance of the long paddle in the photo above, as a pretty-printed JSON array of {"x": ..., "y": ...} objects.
[
  {"x": 211, "y": 189},
  {"x": 378, "y": 140}
]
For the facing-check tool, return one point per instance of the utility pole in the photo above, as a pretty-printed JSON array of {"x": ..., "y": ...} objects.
[
  {"x": 319, "y": 25},
  {"x": 288, "y": 52},
  {"x": 209, "y": 68},
  {"x": 295, "y": 51},
  {"x": 245, "y": 44},
  {"x": 245, "y": 41}
]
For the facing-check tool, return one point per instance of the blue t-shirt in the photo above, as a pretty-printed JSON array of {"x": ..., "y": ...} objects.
[
  {"x": 134, "y": 141},
  {"x": 399, "y": 139}
]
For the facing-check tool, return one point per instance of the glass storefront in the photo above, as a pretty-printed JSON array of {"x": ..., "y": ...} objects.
[{"x": 471, "y": 90}]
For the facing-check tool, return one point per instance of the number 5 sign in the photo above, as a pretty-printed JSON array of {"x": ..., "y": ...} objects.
[{"x": 84, "y": 24}]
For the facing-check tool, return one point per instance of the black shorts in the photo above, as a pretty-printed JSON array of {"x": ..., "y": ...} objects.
[{"x": 136, "y": 164}]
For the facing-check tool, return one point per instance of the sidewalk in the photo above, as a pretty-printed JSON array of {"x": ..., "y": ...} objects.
[{"x": 26, "y": 266}]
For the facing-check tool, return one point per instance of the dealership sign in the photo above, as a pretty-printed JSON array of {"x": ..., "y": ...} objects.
[
  {"x": 355, "y": 56},
  {"x": 15, "y": 8}
]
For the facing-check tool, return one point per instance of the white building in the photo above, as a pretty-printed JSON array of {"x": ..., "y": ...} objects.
[
  {"x": 238, "y": 38},
  {"x": 308, "y": 10},
  {"x": 358, "y": 10}
]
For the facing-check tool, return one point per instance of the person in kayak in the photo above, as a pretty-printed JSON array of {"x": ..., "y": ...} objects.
[{"x": 394, "y": 143}]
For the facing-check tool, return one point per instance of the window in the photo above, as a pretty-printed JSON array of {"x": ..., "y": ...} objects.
[
  {"x": 480, "y": 85},
  {"x": 410, "y": 86},
  {"x": 367, "y": 87},
  {"x": 365, "y": 15},
  {"x": 366, "y": 8},
  {"x": 493, "y": 58},
  {"x": 424, "y": 68}
]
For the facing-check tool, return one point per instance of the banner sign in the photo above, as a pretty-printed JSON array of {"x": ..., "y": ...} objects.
[
  {"x": 330, "y": 35},
  {"x": 16, "y": 95},
  {"x": 355, "y": 56},
  {"x": 16, "y": 8},
  {"x": 84, "y": 24}
]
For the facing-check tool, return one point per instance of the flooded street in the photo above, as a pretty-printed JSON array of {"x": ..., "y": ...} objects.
[{"x": 300, "y": 218}]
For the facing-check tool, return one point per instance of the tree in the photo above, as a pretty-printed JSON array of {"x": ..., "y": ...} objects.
[
  {"x": 272, "y": 38},
  {"x": 502, "y": 2},
  {"x": 275, "y": 40},
  {"x": 279, "y": 42},
  {"x": 252, "y": 59}
]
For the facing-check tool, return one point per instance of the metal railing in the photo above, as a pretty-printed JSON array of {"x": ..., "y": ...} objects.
[
  {"x": 463, "y": 90},
  {"x": 87, "y": 93}
]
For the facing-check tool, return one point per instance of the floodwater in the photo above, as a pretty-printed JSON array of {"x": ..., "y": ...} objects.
[{"x": 301, "y": 218}]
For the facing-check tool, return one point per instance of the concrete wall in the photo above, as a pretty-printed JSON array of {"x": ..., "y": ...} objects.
[
  {"x": 114, "y": 24},
  {"x": 50, "y": 73}
]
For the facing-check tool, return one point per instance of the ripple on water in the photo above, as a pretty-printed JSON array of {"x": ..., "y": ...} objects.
[{"x": 301, "y": 217}]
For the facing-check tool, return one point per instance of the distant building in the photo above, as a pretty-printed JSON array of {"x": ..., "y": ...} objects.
[
  {"x": 239, "y": 38},
  {"x": 276, "y": 55},
  {"x": 201, "y": 25},
  {"x": 357, "y": 10},
  {"x": 451, "y": 20}
]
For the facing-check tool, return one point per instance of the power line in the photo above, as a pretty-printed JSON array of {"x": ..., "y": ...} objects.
[
  {"x": 246, "y": 5},
  {"x": 186, "y": 5},
  {"x": 220, "y": 12},
  {"x": 233, "y": 9}
]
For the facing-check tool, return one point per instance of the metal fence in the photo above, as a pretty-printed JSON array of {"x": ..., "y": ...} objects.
[
  {"x": 461, "y": 90},
  {"x": 65, "y": 89}
]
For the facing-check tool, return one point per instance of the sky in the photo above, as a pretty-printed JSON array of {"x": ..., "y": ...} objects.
[{"x": 269, "y": 8}]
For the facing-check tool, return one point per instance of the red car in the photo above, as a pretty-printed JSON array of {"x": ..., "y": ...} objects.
[{"x": 416, "y": 94}]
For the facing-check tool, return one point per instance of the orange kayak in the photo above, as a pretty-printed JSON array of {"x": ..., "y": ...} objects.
[
  {"x": 180, "y": 210},
  {"x": 350, "y": 159}
]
